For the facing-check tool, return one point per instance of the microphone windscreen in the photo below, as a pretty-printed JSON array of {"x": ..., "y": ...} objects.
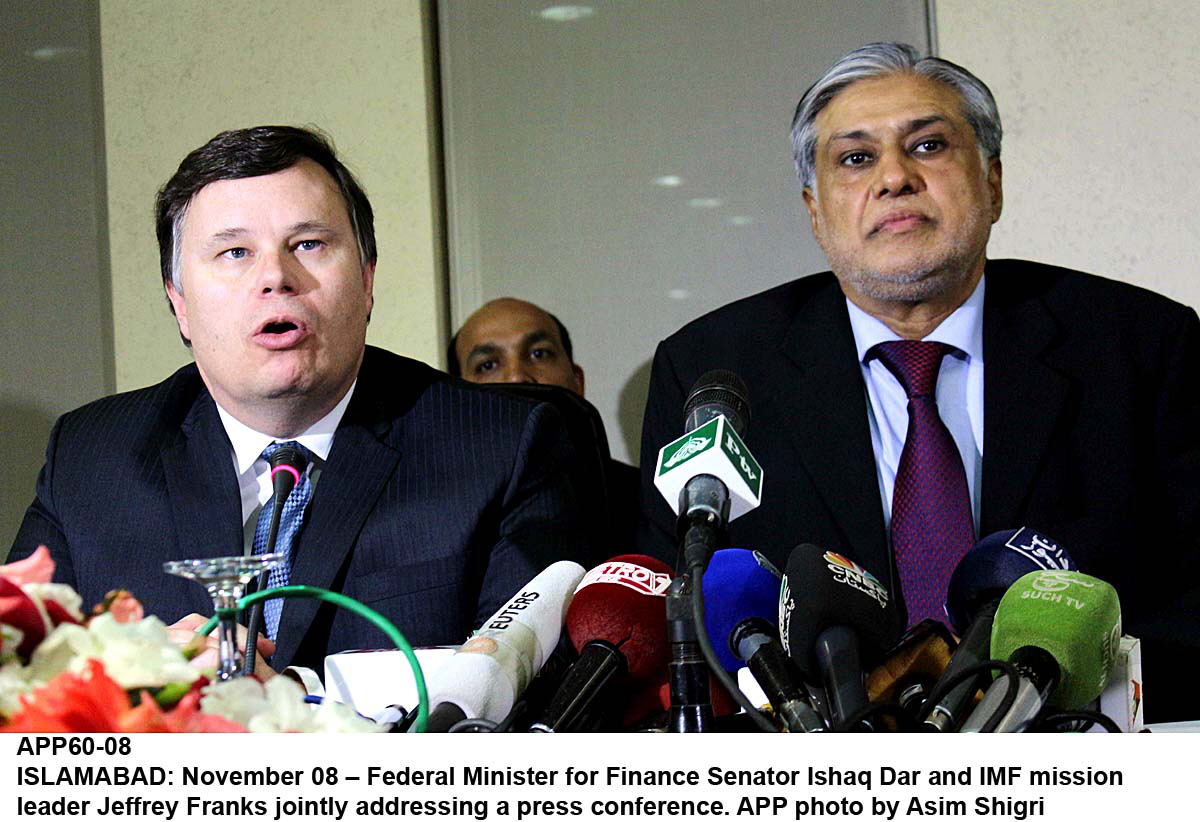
[
  {"x": 532, "y": 620},
  {"x": 738, "y": 585},
  {"x": 1074, "y": 617},
  {"x": 822, "y": 589},
  {"x": 995, "y": 563},
  {"x": 623, "y": 602},
  {"x": 487, "y": 674},
  {"x": 715, "y": 393}
]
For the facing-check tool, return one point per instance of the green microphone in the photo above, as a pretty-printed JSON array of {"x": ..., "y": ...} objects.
[{"x": 1061, "y": 630}]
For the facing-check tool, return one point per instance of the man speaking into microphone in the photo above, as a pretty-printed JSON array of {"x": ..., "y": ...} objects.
[
  {"x": 424, "y": 497},
  {"x": 920, "y": 394}
]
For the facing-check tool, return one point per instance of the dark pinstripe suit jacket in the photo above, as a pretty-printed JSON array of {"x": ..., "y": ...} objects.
[
  {"x": 1091, "y": 408},
  {"x": 438, "y": 501}
]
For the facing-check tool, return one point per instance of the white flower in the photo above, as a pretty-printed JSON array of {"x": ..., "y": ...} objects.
[
  {"x": 279, "y": 706},
  {"x": 135, "y": 654},
  {"x": 14, "y": 682},
  {"x": 10, "y": 639}
]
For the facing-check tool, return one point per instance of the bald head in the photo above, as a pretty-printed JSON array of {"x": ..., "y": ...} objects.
[{"x": 510, "y": 340}]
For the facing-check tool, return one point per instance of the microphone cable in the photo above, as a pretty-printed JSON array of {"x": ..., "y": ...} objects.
[
  {"x": 710, "y": 655},
  {"x": 287, "y": 464},
  {"x": 1010, "y": 693}
]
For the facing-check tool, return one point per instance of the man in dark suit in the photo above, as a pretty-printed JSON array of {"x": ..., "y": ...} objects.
[
  {"x": 510, "y": 341},
  {"x": 1067, "y": 402},
  {"x": 431, "y": 501}
]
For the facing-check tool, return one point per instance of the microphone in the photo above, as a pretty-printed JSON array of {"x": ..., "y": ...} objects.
[
  {"x": 906, "y": 677},
  {"x": 617, "y": 622},
  {"x": 1061, "y": 629},
  {"x": 717, "y": 393},
  {"x": 835, "y": 618},
  {"x": 708, "y": 476},
  {"x": 979, "y": 581},
  {"x": 741, "y": 591},
  {"x": 485, "y": 676},
  {"x": 287, "y": 463}
]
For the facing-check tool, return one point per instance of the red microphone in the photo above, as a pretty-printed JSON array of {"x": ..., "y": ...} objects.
[{"x": 617, "y": 621}]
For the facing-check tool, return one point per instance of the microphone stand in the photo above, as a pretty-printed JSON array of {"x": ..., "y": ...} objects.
[
  {"x": 284, "y": 482},
  {"x": 705, "y": 503}
]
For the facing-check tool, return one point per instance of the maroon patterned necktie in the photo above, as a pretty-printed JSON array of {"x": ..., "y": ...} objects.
[{"x": 932, "y": 525}]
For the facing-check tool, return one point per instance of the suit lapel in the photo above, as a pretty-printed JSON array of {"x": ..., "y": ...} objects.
[
  {"x": 202, "y": 487},
  {"x": 361, "y": 461},
  {"x": 829, "y": 429},
  {"x": 1023, "y": 396},
  {"x": 202, "y": 492}
]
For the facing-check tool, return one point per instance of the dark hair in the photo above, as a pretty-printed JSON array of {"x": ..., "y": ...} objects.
[
  {"x": 253, "y": 152},
  {"x": 452, "y": 354}
]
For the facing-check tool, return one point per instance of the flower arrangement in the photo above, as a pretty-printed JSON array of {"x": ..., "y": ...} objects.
[{"x": 117, "y": 671}]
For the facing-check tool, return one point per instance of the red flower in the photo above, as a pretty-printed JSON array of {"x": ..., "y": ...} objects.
[
  {"x": 92, "y": 702},
  {"x": 19, "y": 611}
]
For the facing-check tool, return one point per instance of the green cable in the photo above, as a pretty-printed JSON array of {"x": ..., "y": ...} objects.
[{"x": 374, "y": 617}]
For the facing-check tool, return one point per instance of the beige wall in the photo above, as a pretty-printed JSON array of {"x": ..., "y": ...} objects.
[
  {"x": 1100, "y": 111},
  {"x": 177, "y": 72}
]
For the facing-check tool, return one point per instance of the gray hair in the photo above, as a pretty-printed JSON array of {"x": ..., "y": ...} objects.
[{"x": 880, "y": 59}]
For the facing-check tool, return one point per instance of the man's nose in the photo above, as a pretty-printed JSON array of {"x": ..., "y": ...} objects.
[
  {"x": 518, "y": 373},
  {"x": 277, "y": 272},
  {"x": 896, "y": 173}
]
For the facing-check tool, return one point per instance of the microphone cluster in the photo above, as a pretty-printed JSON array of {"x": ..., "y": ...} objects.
[{"x": 651, "y": 647}]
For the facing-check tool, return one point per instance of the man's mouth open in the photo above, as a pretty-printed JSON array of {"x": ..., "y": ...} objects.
[{"x": 281, "y": 333}]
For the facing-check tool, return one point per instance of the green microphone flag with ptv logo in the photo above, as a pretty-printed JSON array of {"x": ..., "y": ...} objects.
[{"x": 712, "y": 448}]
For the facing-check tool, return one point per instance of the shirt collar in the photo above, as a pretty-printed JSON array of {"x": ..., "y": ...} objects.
[
  {"x": 248, "y": 444},
  {"x": 963, "y": 329}
]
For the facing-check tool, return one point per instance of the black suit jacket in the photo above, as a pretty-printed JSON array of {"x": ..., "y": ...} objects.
[
  {"x": 1091, "y": 407},
  {"x": 438, "y": 501}
]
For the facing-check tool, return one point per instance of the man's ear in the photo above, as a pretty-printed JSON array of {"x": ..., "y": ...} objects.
[
  {"x": 578, "y": 377},
  {"x": 179, "y": 306},
  {"x": 810, "y": 202},
  {"x": 995, "y": 173},
  {"x": 369, "y": 287}
]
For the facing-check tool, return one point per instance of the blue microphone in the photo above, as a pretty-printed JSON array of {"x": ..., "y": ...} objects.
[{"x": 741, "y": 595}]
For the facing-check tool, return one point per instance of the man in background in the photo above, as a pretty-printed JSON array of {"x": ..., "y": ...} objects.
[{"x": 513, "y": 341}]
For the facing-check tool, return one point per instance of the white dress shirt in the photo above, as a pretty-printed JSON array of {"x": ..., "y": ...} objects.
[
  {"x": 254, "y": 473},
  {"x": 959, "y": 394}
]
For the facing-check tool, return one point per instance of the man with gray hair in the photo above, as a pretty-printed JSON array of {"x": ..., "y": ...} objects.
[{"x": 919, "y": 395}]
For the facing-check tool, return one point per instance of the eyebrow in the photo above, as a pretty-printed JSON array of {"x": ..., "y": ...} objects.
[
  {"x": 304, "y": 226},
  {"x": 483, "y": 349},
  {"x": 311, "y": 225},
  {"x": 489, "y": 349},
  {"x": 909, "y": 127},
  {"x": 539, "y": 335},
  {"x": 224, "y": 236}
]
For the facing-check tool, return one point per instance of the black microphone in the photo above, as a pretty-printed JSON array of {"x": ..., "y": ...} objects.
[
  {"x": 704, "y": 500},
  {"x": 287, "y": 464},
  {"x": 708, "y": 476},
  {"x": 976, "y": 587},
  {"x": 716, "y": 393},
  {"x": 835, "y": 619}
]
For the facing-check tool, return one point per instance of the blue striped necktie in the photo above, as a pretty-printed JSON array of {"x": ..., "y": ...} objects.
[{"x": 290, "y": 523}]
